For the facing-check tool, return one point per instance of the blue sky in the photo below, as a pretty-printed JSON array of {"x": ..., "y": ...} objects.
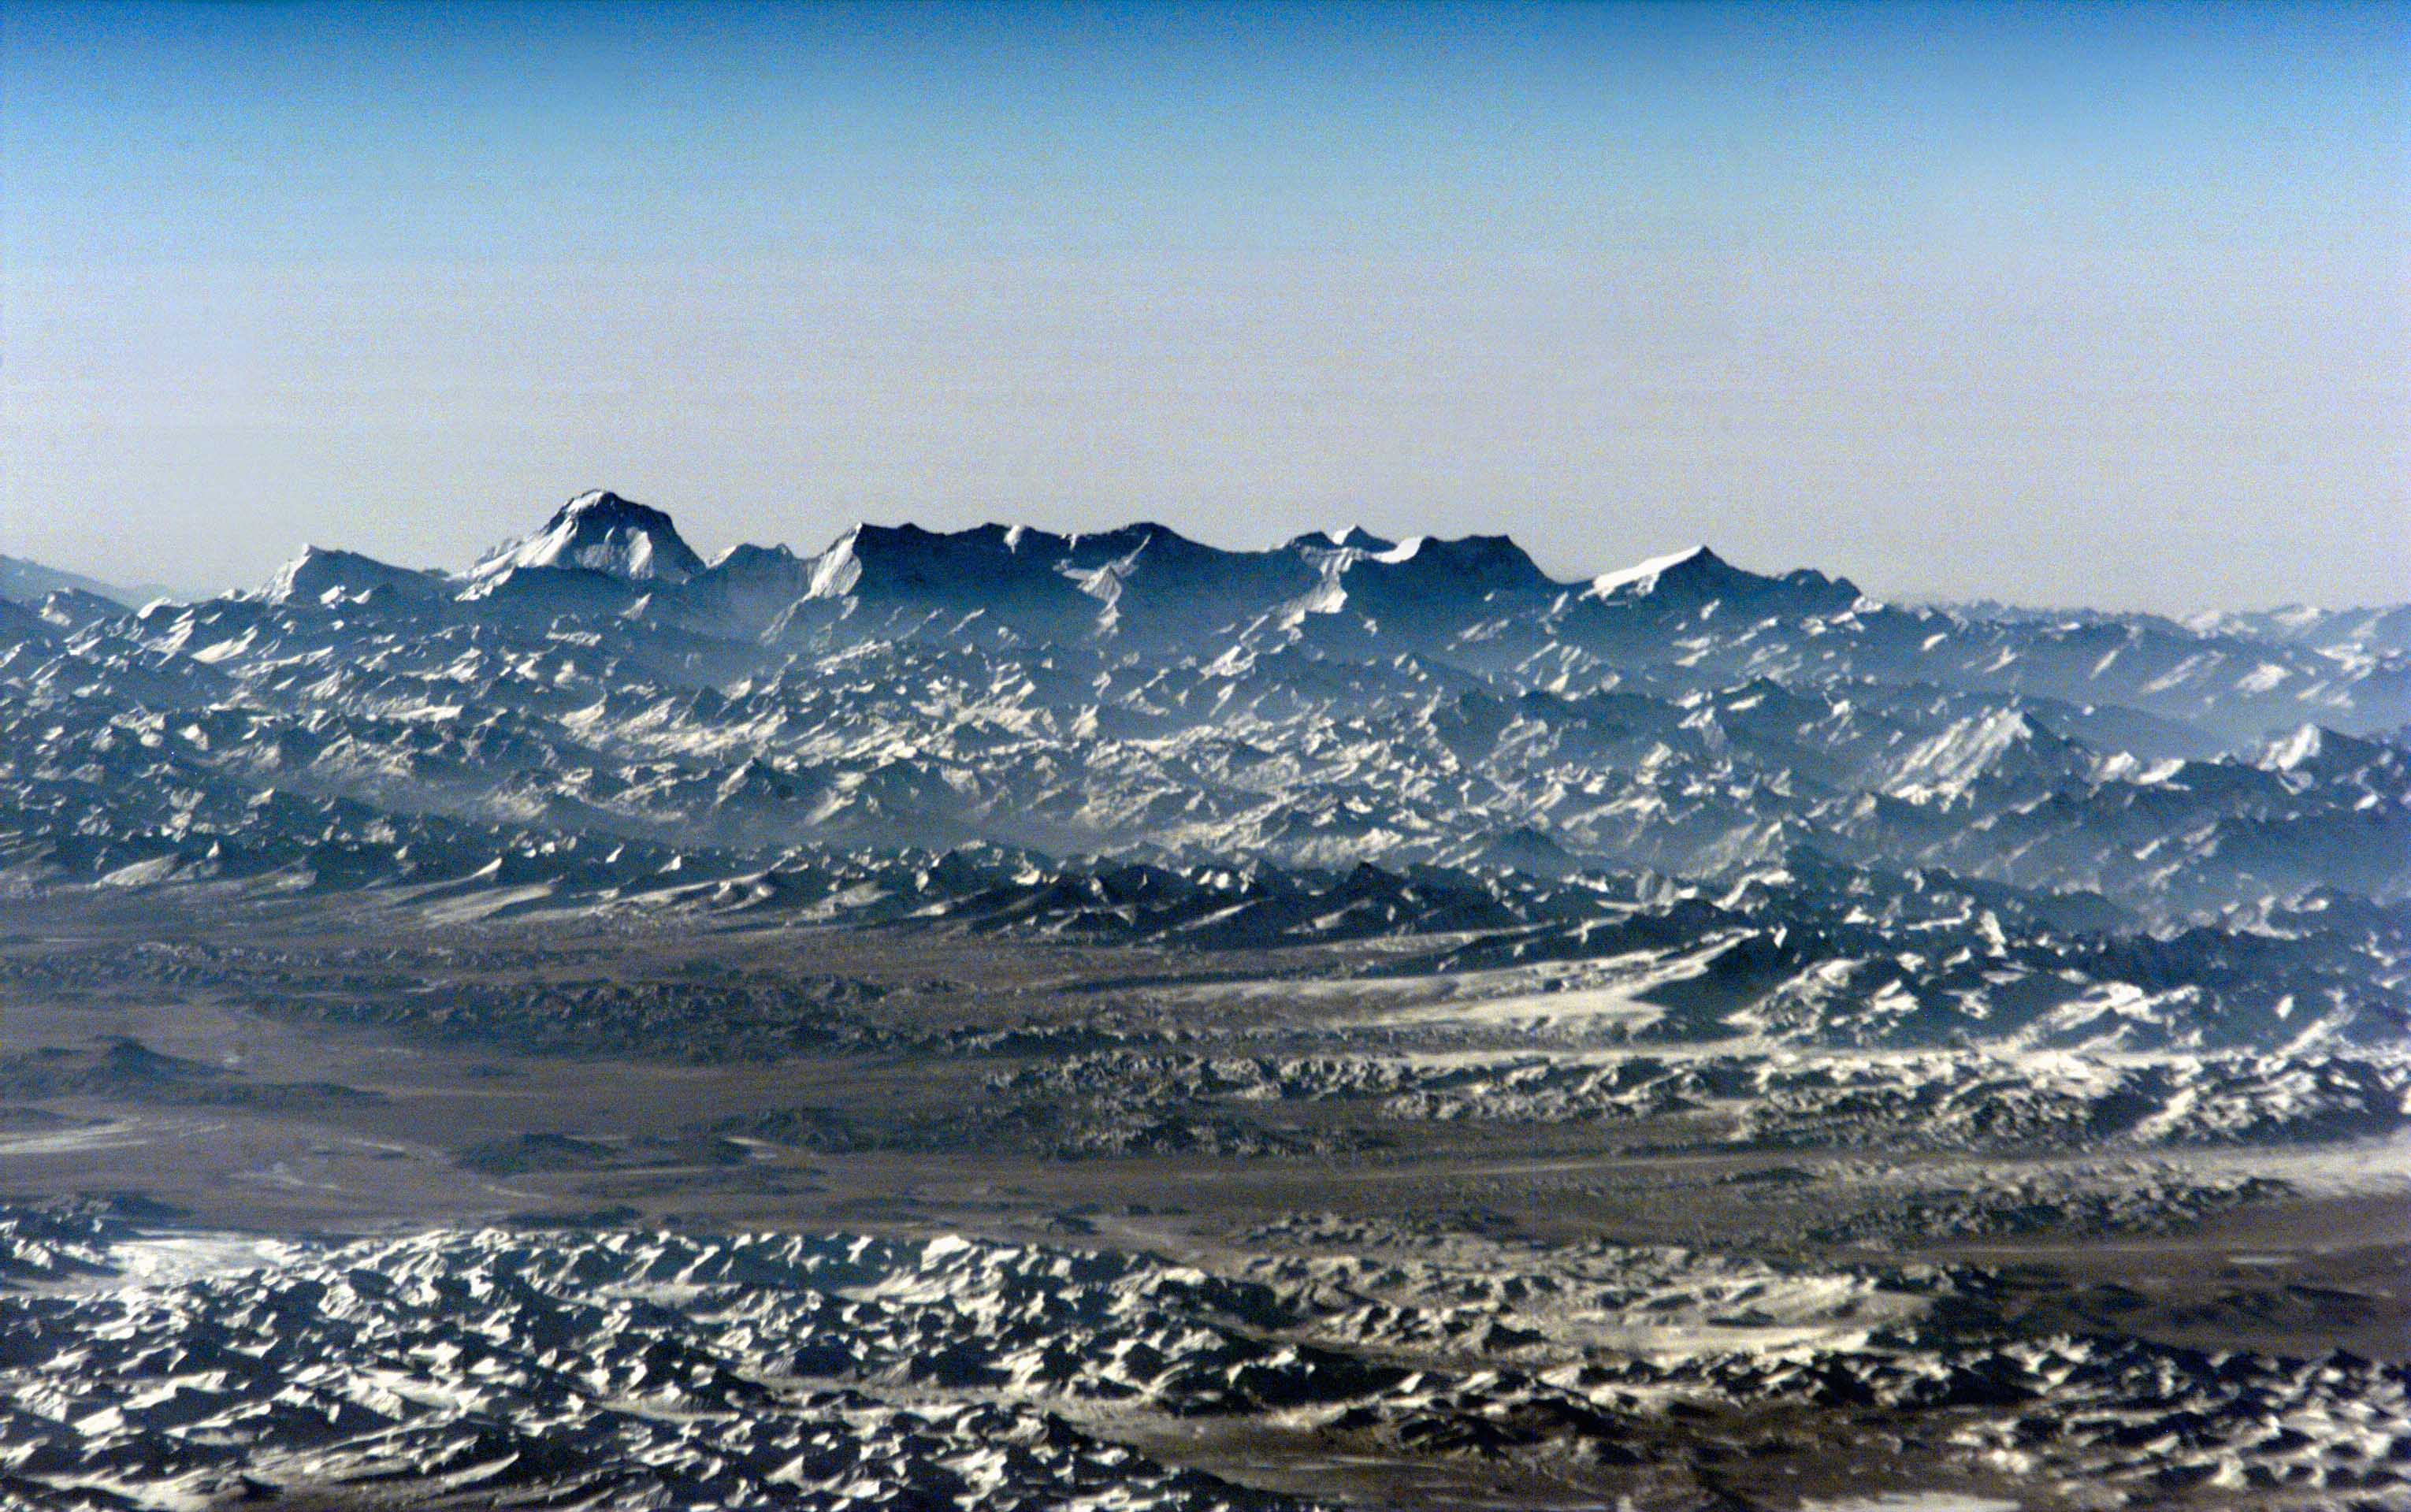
[{"x": 2089, "y": 302}]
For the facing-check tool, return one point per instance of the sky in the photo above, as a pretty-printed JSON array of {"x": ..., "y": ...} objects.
[{"x": 2091, "y": 303}]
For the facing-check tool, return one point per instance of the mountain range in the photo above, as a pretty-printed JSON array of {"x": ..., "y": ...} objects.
[
  {"x": 598, "y": 694},
  {"x": 1362, "y": 1003}
]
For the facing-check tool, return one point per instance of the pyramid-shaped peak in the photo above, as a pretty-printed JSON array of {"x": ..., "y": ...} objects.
[
  {"x": 1695, "y": 561},
  {"x": 601, "y": 532},
  {"x": 2004, "y": 728},
  {"x": 1697, "y": 577},
  {"x": 746, "y": 556},
  {"x": 2001, "y": 746}
]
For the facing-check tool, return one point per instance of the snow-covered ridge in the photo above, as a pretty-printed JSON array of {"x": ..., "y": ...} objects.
[
  {"x": 1324, "y": 703},
  {"x": 601, "y": 532},
  {"x": 1643, "y": 575},
  {"x": 324, "y": 577}
]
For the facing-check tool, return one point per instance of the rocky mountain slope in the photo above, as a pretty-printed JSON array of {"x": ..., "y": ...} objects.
[
  {"x": 1134, "y": 732},
  {"x": 1133, "y": 693}
]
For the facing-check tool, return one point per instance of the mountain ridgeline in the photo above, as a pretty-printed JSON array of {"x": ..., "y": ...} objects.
[{"x": 596, "y": 713}]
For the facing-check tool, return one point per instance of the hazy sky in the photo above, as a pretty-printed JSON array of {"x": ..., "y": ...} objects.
[{"x": 2054, "y": 303}]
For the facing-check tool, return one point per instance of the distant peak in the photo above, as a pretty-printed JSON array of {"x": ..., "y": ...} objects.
[
  {"x": 28, "y": 582},
  {"x": 2314, "y": 745},
  {"x": 599, "y": 530},
  {"x": 1488, "y": 562},
  {"x": 1700, "y": 577},
  {"x": 326, "y": 575},
  {"x": 2292, "y": 750},
  {"x": 602, "y": 507},
  {"x": 747, "y": 554},
  {"x": 1351, "y": 538},
  {"x": 1642, "y": 576}
]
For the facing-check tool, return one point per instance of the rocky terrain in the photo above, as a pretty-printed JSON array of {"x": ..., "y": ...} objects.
[
  {"x": 648, "y": 1368},
  {"x": 594, "y": 711},
  {"x": 1006, "y": 1018}
]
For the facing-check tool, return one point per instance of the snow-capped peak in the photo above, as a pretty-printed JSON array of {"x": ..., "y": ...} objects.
[
  {"x": 1699, "y": 578},
  {"x": 1346, "y": 537},
  {"x": 745, "y": 555},
  {"x": 1643, "y": 577},
  {"x": 599, "y": 532},
  {"x": 321, "y": 575},
  {"x": 2002, "y": 746},
  {"x": 1324, "y": 547},
  {"x": 2313, "y": 747},
  {"x": 2287, "y": 751}
]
